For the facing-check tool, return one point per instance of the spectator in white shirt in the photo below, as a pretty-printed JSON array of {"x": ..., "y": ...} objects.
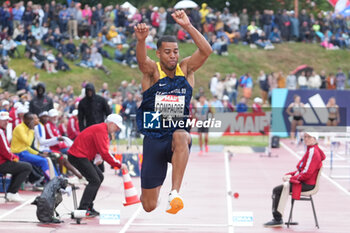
[
  {"x": 302, "y": 81},
  {"x": 314, "y": 81}
]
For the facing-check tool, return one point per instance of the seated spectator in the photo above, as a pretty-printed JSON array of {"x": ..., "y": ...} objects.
[
  {"x": 52, "y": 131},
  {"x": 50, "y": 63},
  {"x": 99, "y": 45},
  {"x": 73, "y": 125},
  {"x": 61, "y": 65},
  {"x": 227, "y": 106},
  {"x": 9, "y": 163},
  {"x": 219, "y": 46},
  {"x": 242, "y": 105},
  {"x": 71, "y": 49},
  {"x": 9, "y": 81},
  {"x": 18, "y": 35},
  {"x": 150, "y": 44},
  {"x": 275, "y": 36},
  {"x": 301, "y": 180},
  {"x": 256, "y": 107},
  {"x": 183, "y": 36},
  {"x": 22, "y": 82},
  {"x": 86, "y": 59},
  {"x": 97, "y": 60},
  {"x": 263, "y": 42},
  {"x": 118, "y": 54},
  {"x": 22, "y": 139},
  {"x": 43, "y": 144},
  {"x": 9, "y": 47}
]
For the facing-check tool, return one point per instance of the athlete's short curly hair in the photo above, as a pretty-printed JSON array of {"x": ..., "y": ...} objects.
[{"x": 165, "y": 39}]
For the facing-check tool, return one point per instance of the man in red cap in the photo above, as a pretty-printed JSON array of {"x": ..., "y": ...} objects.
[
  {"x": 88, "y": 144},
  {"x": 301, "y": 180}
]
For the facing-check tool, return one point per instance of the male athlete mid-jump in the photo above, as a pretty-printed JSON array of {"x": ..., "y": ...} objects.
[{"x": 167, "y": 90}]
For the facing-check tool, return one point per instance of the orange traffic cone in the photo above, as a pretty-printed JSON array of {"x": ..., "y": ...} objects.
[{"x": 129, "y": 189}]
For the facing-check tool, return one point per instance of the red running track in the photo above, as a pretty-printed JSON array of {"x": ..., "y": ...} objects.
[{"x": 207, "y": 204}]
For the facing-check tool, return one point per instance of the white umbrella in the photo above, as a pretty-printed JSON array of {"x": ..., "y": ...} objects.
[{"x": 185, "y": 4}]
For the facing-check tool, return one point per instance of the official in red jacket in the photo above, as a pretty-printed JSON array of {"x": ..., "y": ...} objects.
[
  {"x": 301, "y": 180},
  {"x": 73, "y": 125},
  {"x": 91, "y": 142},
  {"x": 9, "y": 162}
]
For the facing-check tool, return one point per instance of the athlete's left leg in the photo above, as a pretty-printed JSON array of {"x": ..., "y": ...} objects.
[{"x": 180, "y": 147}]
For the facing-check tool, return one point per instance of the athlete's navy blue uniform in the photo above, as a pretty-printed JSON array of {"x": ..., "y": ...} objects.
[{"x": 169, "y": 96}]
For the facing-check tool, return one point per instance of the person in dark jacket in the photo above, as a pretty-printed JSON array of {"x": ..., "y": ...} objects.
[
  {"x": 92, "y": 109},
  {"x": 40, "y": 102}
]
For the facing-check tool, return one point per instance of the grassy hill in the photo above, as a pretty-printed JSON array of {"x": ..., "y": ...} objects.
[{"x": 241, "y": 59}]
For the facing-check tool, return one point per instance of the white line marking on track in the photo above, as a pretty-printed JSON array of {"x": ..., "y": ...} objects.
[
  {"x": 178, "y": 225},
  {"x": 17, "y": 208},
  {"x": 128, "y": 223},
  {"x": 323, "y": 174},
  {"x": 228, "y": 197}
]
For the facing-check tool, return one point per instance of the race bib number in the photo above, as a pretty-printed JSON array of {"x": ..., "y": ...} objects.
[{"x": 170, "y": 105}]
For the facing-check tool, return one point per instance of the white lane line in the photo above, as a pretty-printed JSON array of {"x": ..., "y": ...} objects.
[
  {"x": 128, "y": 223},
  {"x": 336, "y": 184},
  {"x": 228, "y": 197},
  {"x": 17, "y": 208},
  {"x": 178, "y": 225}
]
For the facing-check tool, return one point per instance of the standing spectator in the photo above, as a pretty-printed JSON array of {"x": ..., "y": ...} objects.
[
  {"x": 323, "y": 79},
  {"x": 333, "y": 112},
  {"x": 73, "y": 22},
  {"x": 281, "y": 80},
  {"x": 202, "y": 110},
  {"x": 63, "y": 19},
  {"x": 213, "y": 83},
  {"x": 294, "y": 26},
  {"x": 264, "y": 86},
  {"x": 267, "y": 22},
  {"x": 244, "y": 21},
  {"x": 129, "y": 113},
  {"x": 340, "y": 79},
  {"x": 41, "y": 102},
  {"x": 296, "y": 109},
  {"x": 231, "y": 85},
  {"x": 17, "y": 14},
  {"x": 246, "y": 82},
  {"x": 162, "y": 22},
  {"x": 92, "y": 109},
  {"x": 314, "y": 81},
  {"x": 331, "y": 82},
  {"x": 291, "y": 81},
  {"x": 302, "y": 81}
]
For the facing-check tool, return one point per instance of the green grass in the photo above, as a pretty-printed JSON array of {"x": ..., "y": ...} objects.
[
  {"x": 257, "y": 141},
  {"x": 286, "y": 57}
]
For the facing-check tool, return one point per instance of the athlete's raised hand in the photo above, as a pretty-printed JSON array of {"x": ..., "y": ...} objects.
[
  {"x": 181, "y": 18},
  {"x": 141, "y": 31}
]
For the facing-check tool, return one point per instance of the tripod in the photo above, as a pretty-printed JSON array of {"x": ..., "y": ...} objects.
[{"x": 133, "y": 133}]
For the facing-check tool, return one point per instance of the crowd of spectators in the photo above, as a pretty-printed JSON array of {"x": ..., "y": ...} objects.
[{"x": 52, "y": 33}]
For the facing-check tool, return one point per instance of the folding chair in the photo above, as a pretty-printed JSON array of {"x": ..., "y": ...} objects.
[{"x": 306, "y": 196}]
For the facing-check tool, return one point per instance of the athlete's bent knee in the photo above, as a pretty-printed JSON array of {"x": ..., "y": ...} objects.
[{"x": 149, "y": 206}]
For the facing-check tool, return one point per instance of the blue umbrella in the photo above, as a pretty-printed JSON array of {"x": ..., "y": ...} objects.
[{"x": 346, "y": 12}]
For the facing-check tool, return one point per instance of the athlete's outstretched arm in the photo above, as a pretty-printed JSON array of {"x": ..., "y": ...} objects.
[
  {"x": 144, "y": 62},
  {"x": 204, "y": 49}
]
